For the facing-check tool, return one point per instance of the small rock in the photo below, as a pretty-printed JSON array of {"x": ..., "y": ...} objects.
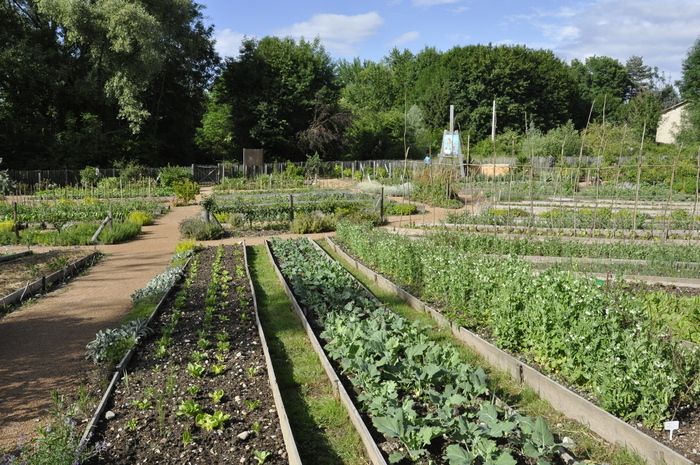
[
  {"x": 568, "y": 442},
  {"x": 242, "y": 460},
  {"x": 109, "y": 415},
  {"x": 237, "y": 399},
  {"x": 243, "y": 436}
]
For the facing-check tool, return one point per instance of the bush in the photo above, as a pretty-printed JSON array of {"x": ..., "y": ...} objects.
[
  {"x": 400, "y": 209},
  {"x": 306, "y": 223},
  {"x": 7, "y": 226},
  {"x": 110, "y": 345},
  {"x": 186, "y": 191},
  {"x": 119, "y": 232},
  {"x": 170, "y": 175},
  {"x": 680, "y": 219},
  {"x": 200, "y": 230},
  {"x": 108, "y": 183},
  {"x": 140, "y": 217},
  {"x": 185, "y": 249},
  {"x": 158, "y": 284},
  {"x": 89, "y": 176}
]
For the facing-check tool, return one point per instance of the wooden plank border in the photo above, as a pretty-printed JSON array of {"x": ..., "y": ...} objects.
[
  {"x": 339, "y": 390},
  {"x": 562, "y": 398}
]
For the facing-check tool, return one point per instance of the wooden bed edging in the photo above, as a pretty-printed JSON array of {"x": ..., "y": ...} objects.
[
  {"x": 339, "y": 390},
  {"x": 14, "y": 256},
  {"x": 121, "y": 367},
  {"x": 44, "y": 282},
  {"x": 289, "y": 443},
  {"x": 560, "y": 397}
]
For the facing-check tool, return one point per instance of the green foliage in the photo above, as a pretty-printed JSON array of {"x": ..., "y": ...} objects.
[
  {"x": 394, "y": 208},
  {"x": 314, "y": 222},
  {"x": 140, "y": 217},
  {"x": 215, "y": 135},
  {"x": 110, "y": 345},
  {"x": 172, "y": 175},
  {"x": 89, "y": 176},
  {"x": 274, "y": 87},
  {"x": 186, "y": 190},
  {"x": 210, "y": 422},
  {"x": 199, "y": 230},
  {"x": 119, "y": 232},
  {"x": 56, "y": 443},
  {"x": 408, "y": 385},
  {"x": 601, "y": 340}
]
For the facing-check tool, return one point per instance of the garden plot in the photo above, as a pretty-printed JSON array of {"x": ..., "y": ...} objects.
[
  {"x": 425, "y": 403},
  {"x": 625, "y": 353},
  {"x": 198, "y": 390},
  {"x": 18, "y": 274},
  {"x": 71, "y": 222}
]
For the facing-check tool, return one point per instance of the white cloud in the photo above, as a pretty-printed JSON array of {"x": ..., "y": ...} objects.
[
  {"x": 404, "y": 38},
  {"x": 433, "y": 2},
  {"x": 661, "y": 33},
  {"x": 228, "y": 42},
  {"x": 339, "y": 33}
]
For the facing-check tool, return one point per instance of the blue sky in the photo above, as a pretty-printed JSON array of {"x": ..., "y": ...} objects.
[{"x": 660, "y": 31}]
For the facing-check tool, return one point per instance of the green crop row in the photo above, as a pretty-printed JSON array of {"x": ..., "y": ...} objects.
[
  {"x": 610, "y": 343},
  {"x": 427, "y": 402}
]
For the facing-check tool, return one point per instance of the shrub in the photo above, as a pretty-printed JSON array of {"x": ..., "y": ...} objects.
[
  {"x": 120, "y": 232},
  {"x": 186, "y": 191},
  {"x": 400, "y": 209},
  {"x": 306, "y": 223},
  {"x": 110, "y": 345},
  {"x": 171, "y": 175},
  {"x": 680, "y": 219},
  {"x": 89, "y": 176},
  {"x": 7, "y": 226},
  {"x": 158, "y": 285},
  {"x": 200, "y": 230},
  {"x": 140, "y": 217},
  {"x": 108, "y": 183}
]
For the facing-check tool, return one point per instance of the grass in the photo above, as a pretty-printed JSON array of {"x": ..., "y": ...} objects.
[
  {"x": 587, "y": 444},
  {"x": 321, "y": 426}
]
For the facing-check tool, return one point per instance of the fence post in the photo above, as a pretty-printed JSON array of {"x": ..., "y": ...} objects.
[
  {"x": 381, "y": 206},
  {"x": 291, "y": 207},
  {"x": 14, "y": 219}
]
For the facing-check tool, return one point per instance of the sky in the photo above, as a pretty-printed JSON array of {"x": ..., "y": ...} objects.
[{"x": 660, "y": 31}]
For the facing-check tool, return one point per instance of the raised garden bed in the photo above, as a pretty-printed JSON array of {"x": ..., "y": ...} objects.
[
  {"x": 38, "y": 273},
  {"x": 443, "y": 411},
  {"x": 561, "y": 397},
  {"x": 198, "y": 389}
]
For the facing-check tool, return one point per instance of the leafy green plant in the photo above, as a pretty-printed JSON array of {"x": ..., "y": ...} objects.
[
  {"x": 189, "y": 408},
  {"x": 216, "y": 396},
  {"x": 196, "y": 369},
  {"x": 187, "y": 437},
  {"x": 200, "y": 230},
  {"x": 142, "y": 404},
  {"x": 131, "y": 424},
  {"x": 261, "y": 456},
  {"x": 193, "y": 390},
  {"x": 251, "y": 404},
  {"x": 186, "y": 190},
  {"x": 218, "y": 369},
  {"x": 210, "y": 422}
]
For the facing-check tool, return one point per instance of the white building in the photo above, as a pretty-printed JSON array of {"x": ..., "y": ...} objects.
[{"x": 670, "y": 123}]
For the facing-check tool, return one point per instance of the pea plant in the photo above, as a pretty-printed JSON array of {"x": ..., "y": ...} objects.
[
  {"x": 418, "y": 393},
  {"x": 603, "y": 340}
]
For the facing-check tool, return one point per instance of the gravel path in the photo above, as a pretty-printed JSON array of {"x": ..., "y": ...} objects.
[{"x": 42, "y": 345}]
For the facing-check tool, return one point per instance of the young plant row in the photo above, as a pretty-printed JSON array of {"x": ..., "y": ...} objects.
[
  {"x": 198, "y": 390},
  {"x": 429, "y": 404},
  {"x": 556, "y": 247},
  {"x": 604, "y": 341}
]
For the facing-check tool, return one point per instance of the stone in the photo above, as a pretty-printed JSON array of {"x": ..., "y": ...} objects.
[
  {"x": 243, "y": 436},
  {"x": 110, "y": 415}
]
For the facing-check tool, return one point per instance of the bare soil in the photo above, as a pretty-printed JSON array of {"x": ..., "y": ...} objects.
[{"x": 156, "y": 431}]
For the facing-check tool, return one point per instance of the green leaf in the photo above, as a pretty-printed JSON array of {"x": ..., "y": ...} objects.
[
  {"x": 541, "y": 434},
  {"x": 505, "y": 459},
  {"x": 396, "y": 457},
  {"x": 389, "y": 426},
  {"x": 456, "y": 455},
  {"x": 488, "y": 414}
]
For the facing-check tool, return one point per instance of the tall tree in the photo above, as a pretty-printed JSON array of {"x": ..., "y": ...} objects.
[
  {"x": 690, "y": 90},
  {"x": 275, "y": 88}
]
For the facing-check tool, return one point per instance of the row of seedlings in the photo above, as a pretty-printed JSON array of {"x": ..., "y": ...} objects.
[
  {"x": 426, "y": 403},
  {"x": 198, "y": 391}
]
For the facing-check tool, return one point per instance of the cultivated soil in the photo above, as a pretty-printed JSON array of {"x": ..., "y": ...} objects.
[
  {"x": 18, "y": 273},
  {"x": 42, "y": 345},
  {"x": 155, "y": 434}
]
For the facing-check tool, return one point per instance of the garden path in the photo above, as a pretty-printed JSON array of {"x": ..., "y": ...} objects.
[{"x": 42, "y": 345}]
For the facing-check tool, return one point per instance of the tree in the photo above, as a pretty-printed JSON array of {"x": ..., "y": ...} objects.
[
  {"x": 690, "y": 90},
  {"x": 275, "y": 87},
  {"x": 603, "y": 83},
  {"x": 215, "y": 135}
]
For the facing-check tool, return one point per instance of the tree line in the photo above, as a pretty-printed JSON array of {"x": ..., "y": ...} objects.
[{"x": 99, "y": 82}]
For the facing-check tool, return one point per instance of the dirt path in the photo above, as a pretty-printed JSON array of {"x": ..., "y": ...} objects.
[{"x": 42, "y": 345}]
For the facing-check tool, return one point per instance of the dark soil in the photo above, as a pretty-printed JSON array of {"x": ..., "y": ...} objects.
[
  {"x": 153, "y": 432},
  {"x": 673, "y": 290}
]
